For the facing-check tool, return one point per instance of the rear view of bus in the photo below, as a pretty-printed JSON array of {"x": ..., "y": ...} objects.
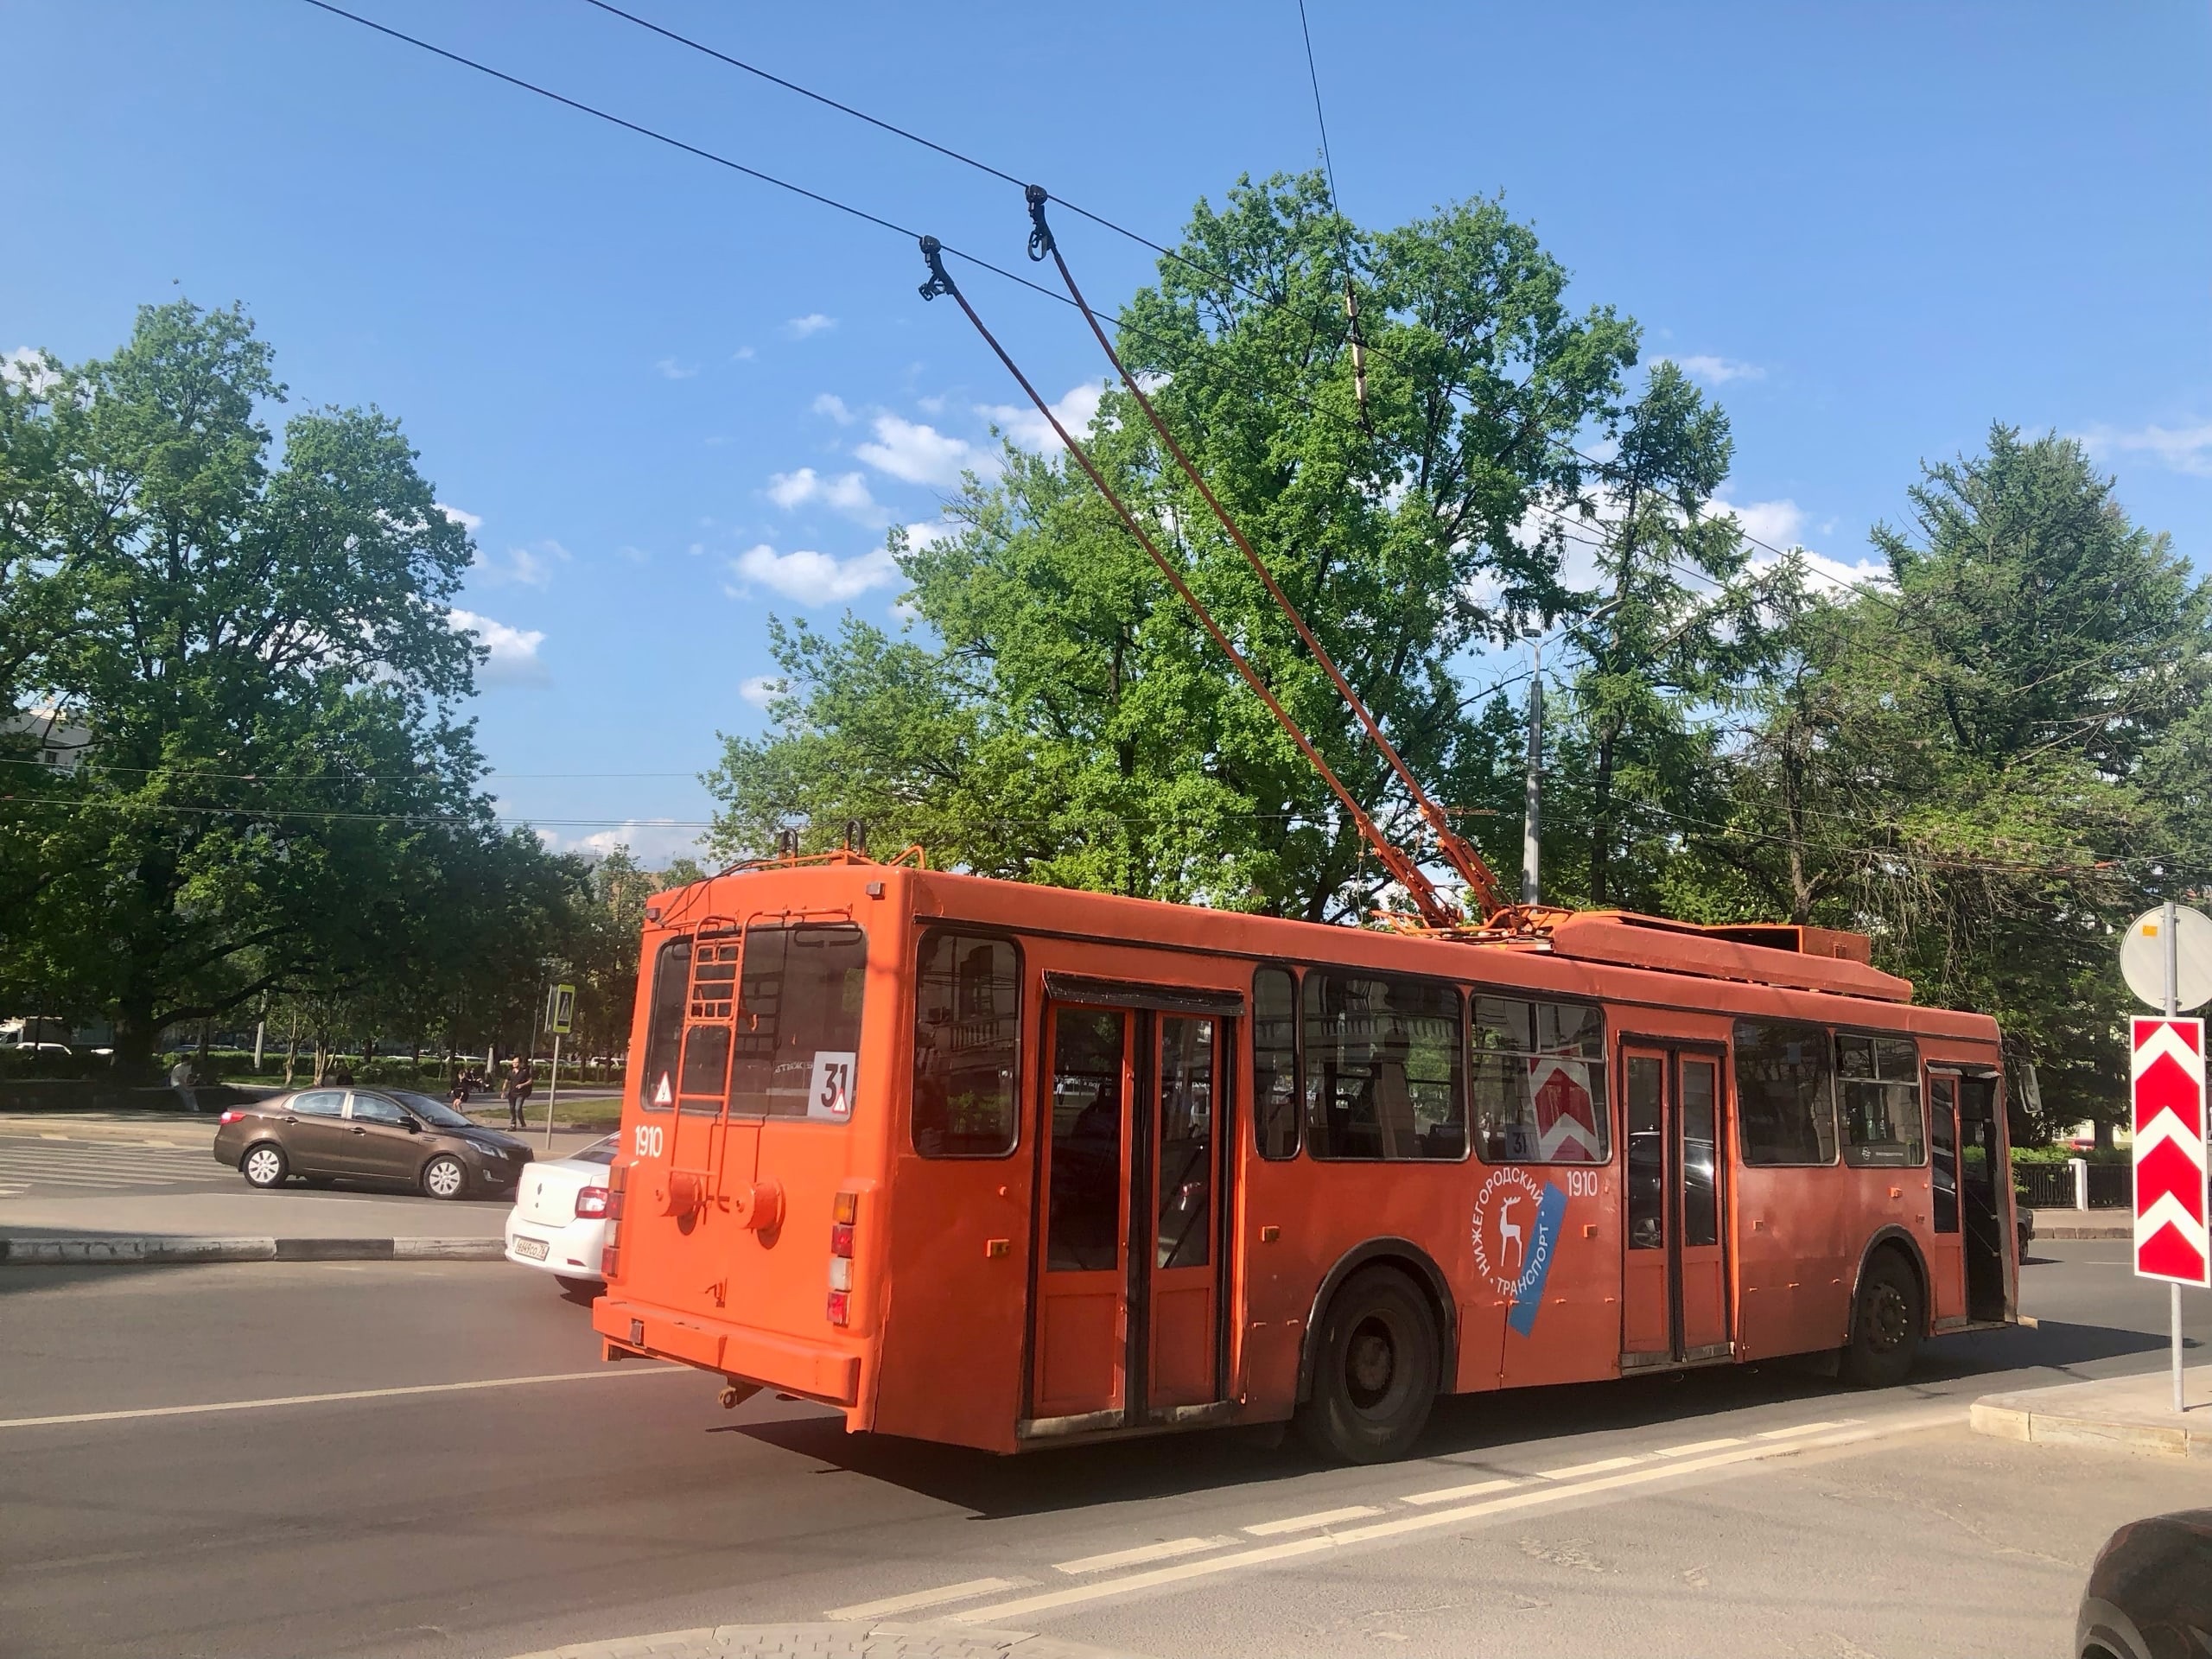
[{"x": 748, "y": 1189}]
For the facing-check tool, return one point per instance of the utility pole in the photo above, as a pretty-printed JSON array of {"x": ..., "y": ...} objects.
[{"x": 1532, "y": 824}]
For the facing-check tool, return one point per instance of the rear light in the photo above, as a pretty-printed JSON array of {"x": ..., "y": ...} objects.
[
  {"x": 610, "y": 1259},
  {"x": 844, "y": 1217},
  {"x": 229, "y": 1117},
  {"x": 591, "y": 1201}
]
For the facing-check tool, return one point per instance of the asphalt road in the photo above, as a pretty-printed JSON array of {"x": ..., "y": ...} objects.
[{"x": 1757, "y": 1511}]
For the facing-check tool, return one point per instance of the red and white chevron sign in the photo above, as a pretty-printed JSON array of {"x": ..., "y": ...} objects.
[{"x": 2171, "y": 1242}]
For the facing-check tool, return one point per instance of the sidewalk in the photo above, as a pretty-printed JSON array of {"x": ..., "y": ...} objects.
[
  {"x": 2132, "y": 1414},
  {"x": 848, "y": 1639}
]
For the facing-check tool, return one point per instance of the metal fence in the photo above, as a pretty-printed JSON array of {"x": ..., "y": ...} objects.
[{"x": 2050, "y": 1186}]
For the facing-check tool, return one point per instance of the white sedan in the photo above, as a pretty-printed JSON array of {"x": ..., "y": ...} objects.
[{"x": 559, "y": 1222}]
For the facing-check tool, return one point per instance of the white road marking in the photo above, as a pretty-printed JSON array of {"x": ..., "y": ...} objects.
[
  {"x": 1446, "y": 1494},
  {"x": 1140, "y": 1554},
  {"x": 921, "y": 1598},
  {"x": 1695, "y": 1447},
  {"x": 1403, "y": 1526},
  {"x": 1806, "y": 1428},
  {"x": 1318, "y": 1518},
  {"x": 54, "y": 1137},
  {"x": 331, "y": 1399},
  {"x": 1576, "y": 1471}
]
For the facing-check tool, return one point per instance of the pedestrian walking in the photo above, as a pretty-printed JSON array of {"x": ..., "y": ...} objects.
[
  {"x": 182, "y": 1079},
  {"x": 521, "y": 1082}
]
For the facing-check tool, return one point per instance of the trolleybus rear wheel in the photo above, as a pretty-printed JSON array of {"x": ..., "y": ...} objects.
[
  {"x": 1375, "y": 1370},
  {"x": 1884, "y": 1323}
]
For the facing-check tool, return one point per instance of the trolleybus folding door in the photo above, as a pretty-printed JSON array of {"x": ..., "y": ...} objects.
[
  {"x": 1674, "y": 1278},
  {"x": 1129, "y": 1297}
]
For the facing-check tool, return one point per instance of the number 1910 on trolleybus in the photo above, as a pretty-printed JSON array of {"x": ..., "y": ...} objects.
[{"x": 1006, "y": 1167}]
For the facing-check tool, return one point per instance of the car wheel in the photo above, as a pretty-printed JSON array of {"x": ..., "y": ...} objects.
[
  {"x": 1885, "y": 1323},
  {"x": 1375, "y": 1372},
  {"x": 444, "y": 1178},
  {"x": 264, "y": 1164}
]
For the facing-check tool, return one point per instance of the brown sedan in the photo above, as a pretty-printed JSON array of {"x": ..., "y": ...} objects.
[{"x": 389, "y": 1136}]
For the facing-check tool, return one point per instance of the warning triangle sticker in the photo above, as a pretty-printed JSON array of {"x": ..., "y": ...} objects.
[{"x": 662, "y": 1095}]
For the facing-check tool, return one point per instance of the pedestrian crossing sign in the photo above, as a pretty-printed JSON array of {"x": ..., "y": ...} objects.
[{"x": 561, "y": 1009}]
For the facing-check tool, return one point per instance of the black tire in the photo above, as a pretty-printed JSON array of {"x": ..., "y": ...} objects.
[
  {"x": 265, "y": 1165},
  {"x": 1376, "y": 1365},
  {"x": 1885, "y": 1324},
  {"x": 445, "y": 1177}
]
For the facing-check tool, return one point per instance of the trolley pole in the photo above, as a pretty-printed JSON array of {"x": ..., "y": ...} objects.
[{"x": 2169, "y": 930}]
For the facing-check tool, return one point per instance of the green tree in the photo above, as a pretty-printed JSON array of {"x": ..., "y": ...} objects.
[
  {"x": 1997, "y": 765},
  {"x": 279, "y": 792},
  {"x": 1064, "y": 719}
]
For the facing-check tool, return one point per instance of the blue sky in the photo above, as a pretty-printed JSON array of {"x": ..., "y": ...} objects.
[{"x": 675, "y": 401}]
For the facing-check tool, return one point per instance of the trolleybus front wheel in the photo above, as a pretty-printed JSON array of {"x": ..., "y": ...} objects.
[
  {"x": 1375, "y": 1370},
  {"x": 1884, "y": 1323}
]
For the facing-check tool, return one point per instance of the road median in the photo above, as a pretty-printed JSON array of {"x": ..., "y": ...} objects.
[
  {"x": 124, "y": 1249},
  {"x": 2123, "y": 1414}
]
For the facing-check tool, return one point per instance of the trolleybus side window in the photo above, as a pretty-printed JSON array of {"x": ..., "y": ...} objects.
[
  {"x": 798, "y": 1023},
  {"x": 1537, "y": 1075},
  {"x": 1274, "y": 1063},
  {"x": 1784, "y": 1100},
  {"x": 967, "y": 1047},
  {"x": 1382, "y": 1064},
  {"x": 664, "y": 1025},
  {"x": 1879, "y": 1080}
]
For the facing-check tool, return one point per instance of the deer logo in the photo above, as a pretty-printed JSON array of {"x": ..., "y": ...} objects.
[{"x": 1509, "y": 1232}]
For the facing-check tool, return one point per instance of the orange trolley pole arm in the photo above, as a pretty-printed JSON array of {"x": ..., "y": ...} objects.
[
  {"x": 1462, "y": 856},
  {"x": 1434, "y": 910}
]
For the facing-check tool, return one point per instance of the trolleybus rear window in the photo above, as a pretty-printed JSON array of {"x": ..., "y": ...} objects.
[
  {"x": 1879, "y": 1078},
  {"x": 783, "y": 1043},
  {"x": 1382, "y": 1068},
  {"x": 967, "y": 1047}
]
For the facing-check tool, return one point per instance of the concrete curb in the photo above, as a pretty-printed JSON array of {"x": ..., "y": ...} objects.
[
  {"x": 134, "y": 1250},
  {"x": 2011, "y": 1418},
  {"x": 872, "y": 1638}
]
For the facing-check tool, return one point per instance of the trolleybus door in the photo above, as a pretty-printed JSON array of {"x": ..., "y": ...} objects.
[
  {"x": 1946, "y": 1265},
  {"x": 1128, "y": 1296},
  {"x": 1674, "y": 1280}
]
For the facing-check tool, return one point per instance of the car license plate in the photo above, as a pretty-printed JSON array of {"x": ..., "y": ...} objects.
[{"x": 532, "y": 1248}]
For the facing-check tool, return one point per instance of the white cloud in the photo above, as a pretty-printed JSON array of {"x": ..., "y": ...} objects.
[
  {"x": 671, "y": 370},
  {"x": 654, "y": 843},
  {"x": 814, "y": 578},
  {"x": 633, "y": 555},
  {"x": 1776, "y": 523},
  {"x": 2181, "y": 449},
  {"x": 812, "y": 324},
  {"x": 467, "y": 521},
  {"x": 743, "y": 354},
  {"x": 846, "y": 493},
  {"x": 920, "y": 453},
  {"x": 1717, "y": 370},
  {"x": 928, "y": 532},
  {"x": 1022, "y": 423},
  {"x": 528, "y": 567},
  {"x": 25, "y": 367},
  {"x": 761, "y": 690},
  {"x": 514, "y": 650},
  {"x": 832, "y": 404}
]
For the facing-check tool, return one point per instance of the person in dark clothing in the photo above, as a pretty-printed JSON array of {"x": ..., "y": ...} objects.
[{"x": 522, "y": 1081}]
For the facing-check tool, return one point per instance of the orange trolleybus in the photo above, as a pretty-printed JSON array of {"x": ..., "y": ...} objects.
[{"x": 1003, "y": 1166}]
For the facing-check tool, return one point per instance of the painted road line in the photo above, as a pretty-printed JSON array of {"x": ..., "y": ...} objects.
[
  {"x": 1577, "y": 1470},
  {"x": 1805, "y": 1428},
  {"x": 1308, "y": 1522},
  {"x": 1449, "y": 1494},
  {"x": 921, "y": 1598},
  {"x": 1402, "y": 1526},
  {"x": 1697, "y": 1447},
  {"x": 1140, "y": 1554},
  {"x": 332, "y": 1399}
]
